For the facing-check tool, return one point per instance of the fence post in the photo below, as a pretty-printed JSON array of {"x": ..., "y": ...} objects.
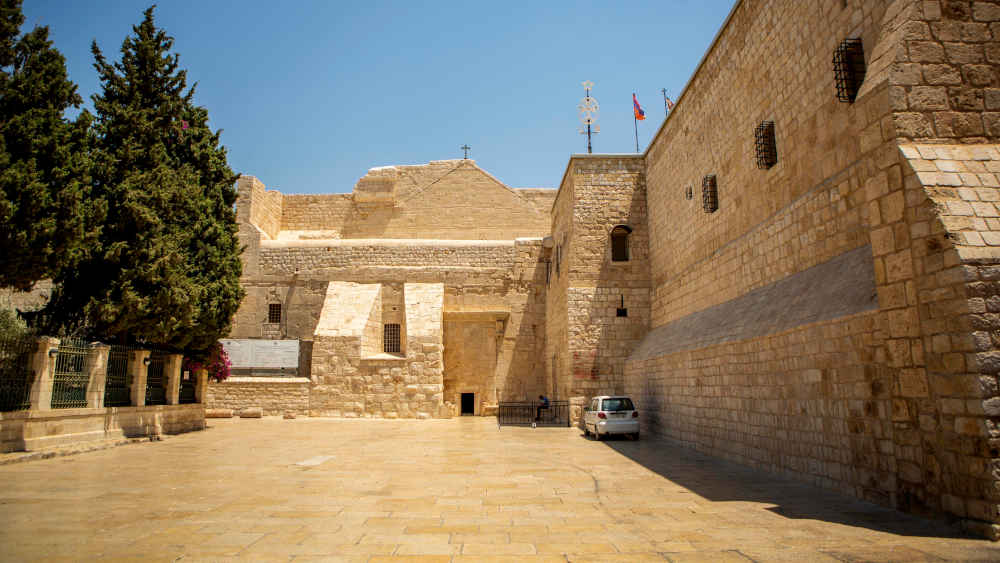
[
  {"x": 43, "y": 363},
  {"x": 98, "y": 367},
  {"x": 172, "y": 374},
  {"x": 137, "y": 369},
  {"x": 201, "y": 387}
]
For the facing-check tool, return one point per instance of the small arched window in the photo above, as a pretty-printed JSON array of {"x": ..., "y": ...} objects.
[{"x": 619, "y": 243}]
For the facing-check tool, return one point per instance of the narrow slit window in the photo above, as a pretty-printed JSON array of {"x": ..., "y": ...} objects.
[
  {"x": 849, "y": 69},
  {"x": 390, "y": 338},
  {"x": 709, "y": 194},
  {"x": 619, "y": 243},
  {"x": 274, "y": 313},
  {"x": 766, "y": 148}
]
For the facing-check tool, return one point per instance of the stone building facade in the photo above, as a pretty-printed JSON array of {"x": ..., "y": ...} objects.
[{"x": 824, "y": 303}]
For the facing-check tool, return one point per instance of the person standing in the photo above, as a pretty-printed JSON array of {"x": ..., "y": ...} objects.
[{"x": 543, "y": 405}]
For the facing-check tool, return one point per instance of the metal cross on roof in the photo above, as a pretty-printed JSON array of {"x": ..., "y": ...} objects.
[{"x": 466, "y": 148}]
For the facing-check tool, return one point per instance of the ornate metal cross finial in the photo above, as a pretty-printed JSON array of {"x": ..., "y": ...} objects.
[
  {"x": 466, "y": 148},
  {"x": 588, "y": 114}
]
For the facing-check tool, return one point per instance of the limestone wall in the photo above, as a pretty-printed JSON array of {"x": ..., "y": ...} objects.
[
  {"x": 450, "y": 200},
  {"x": 349, "y": 381},
  {"x": 274, "y": 395},
  {"x": 287, "y": 258},
  {"x": 883, "y": 394},
  {"x": 607, "y": 191},
  {"x": 557, "y": 357}
]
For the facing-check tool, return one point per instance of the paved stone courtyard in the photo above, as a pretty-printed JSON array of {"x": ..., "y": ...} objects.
[{"x": 437, "y": 490}]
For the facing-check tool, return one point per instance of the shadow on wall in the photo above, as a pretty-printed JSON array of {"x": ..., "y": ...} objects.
[
  {"x": 520, "y": 370},
  {"x": 719, "y": 480},
  {"x": 618, "y": 313}
]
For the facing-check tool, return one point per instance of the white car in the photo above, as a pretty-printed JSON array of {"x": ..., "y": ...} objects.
[{"x": 611, "y": 415}]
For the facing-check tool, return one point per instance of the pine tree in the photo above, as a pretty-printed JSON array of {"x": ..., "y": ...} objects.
[
  {"x": 168, "y": 270},
  {"x": 47, "y": 220}
]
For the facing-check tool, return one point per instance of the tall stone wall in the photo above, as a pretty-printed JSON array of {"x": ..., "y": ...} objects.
[
  {"x": 607, "y": 191},
  {"x": 355, "y": 379},
  {"x": 557, "y": 357},
  {"x": 454, "y": 200},
  {"x": 821, "y": 322}
]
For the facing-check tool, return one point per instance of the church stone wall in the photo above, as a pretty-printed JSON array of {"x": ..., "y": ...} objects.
[
  {"x": 460, "y": 201},
  {"x": 607, "y": 191},
  {"x": 885, "y": 396}
]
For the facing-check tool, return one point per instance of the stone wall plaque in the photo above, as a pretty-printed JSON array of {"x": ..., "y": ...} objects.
[{"x": 251, "y": 353}]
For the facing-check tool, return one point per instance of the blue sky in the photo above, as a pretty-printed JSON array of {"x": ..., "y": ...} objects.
[{"x": 310, "y": 95}]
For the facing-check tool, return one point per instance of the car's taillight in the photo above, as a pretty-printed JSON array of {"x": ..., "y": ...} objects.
[
  {"x": 601, "y": 415},
  {"x": 635, "y": 414}
]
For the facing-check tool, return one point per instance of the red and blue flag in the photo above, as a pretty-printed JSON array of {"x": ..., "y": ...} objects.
[{"x": 639, "y": 114}]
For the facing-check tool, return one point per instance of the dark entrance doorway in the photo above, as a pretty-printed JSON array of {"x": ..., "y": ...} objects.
[{"x": 468, "y": 404}]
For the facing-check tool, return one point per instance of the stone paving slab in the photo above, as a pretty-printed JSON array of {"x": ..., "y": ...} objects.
[{"x": 438, "y": 490}]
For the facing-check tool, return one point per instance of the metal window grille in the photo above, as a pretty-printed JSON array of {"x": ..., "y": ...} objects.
[
  {"x": 764, "y": 143},
  {"x": 156, "y": 392},
  {"x": 117, "y": 381},
  {"x": 619, "y": 244},
  {"x": 69, "y": 383},
  {"x": 274, "y": 313},
  {"x": 16, "y": 375},
  {"x": 390, "y": 338},
  {"x": 849, "y": 69},
  {"x": 709, "y": 194}
]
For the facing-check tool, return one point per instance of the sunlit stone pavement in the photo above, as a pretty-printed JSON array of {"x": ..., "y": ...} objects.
[{"x": 436, "y": 490}]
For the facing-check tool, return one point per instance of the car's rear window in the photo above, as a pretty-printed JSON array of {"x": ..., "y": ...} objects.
[{"x": 618, "y": 405}]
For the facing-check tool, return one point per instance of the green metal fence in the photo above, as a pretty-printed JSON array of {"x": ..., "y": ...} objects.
[
  {"x": 117, "y": 391},
  {"x": 156, "y": 393},
  {"x": 69, "y": 384},
  {"x": 16, "y": 375}
]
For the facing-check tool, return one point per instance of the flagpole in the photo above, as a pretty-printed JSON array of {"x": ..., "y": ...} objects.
[{"x": 635, "y": 122}]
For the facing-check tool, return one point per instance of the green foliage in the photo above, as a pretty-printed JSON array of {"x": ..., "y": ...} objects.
[
  {"x": 47, "y": 221},
  {"x": 167, "y": 271},
  {"x": 11, "y": 326}
]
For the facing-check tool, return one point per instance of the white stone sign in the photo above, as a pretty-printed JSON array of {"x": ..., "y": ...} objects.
[{"x": 251, "y": 353}]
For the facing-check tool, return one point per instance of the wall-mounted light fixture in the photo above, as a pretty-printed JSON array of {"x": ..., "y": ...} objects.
[
  {"x": 53, "y": 352},
  {"x": 146, "y": 361}
]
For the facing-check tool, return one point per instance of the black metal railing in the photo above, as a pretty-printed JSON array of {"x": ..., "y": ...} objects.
[
  {"x": 71, "y": 377},
  {"x": 117, "y": 383},
  {"x": 16, "y": 375},
  {"x": 528, "y": 412},
  {"x": 156, "y": 392},
  {"x": 187, "y": 391}
]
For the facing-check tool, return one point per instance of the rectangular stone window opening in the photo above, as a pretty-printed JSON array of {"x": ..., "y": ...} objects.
[
  {"x": 619, "y": 243},
  {"x": 274, "y": 313},
  {"x": 709, "y": 194},
  {"x": 390, "y": 338},
  {"x": 765, "y": 146},
  {"x": 622, "y": 311},
  {"x": 849, "y": 69}
]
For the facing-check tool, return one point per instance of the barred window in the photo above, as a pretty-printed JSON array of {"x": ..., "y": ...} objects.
[
  {"x": 849, "y": 69},
  {"x": 765, "y": 146},
  {"x": 390, "y": 338},
  {"x": 619, "y": 243},
  {"x": 274, "y": 313},
  {"x": 709, "y": 194}
]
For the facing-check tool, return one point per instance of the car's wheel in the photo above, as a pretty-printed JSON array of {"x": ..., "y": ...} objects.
[
  {"x": 597, "y": 435},
  {"x": 586, "y": 431}
]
